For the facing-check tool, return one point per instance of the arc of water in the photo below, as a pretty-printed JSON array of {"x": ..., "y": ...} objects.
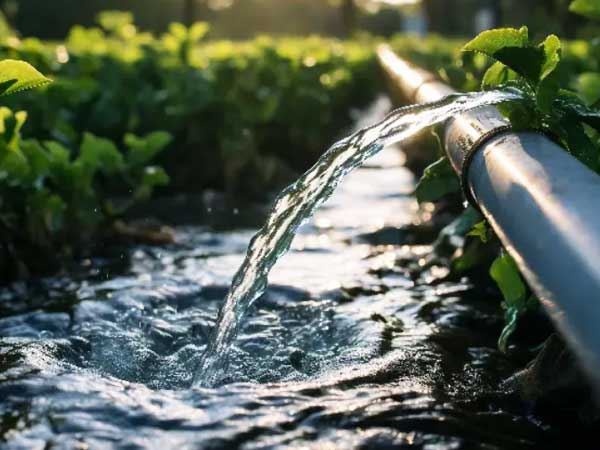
[{"x": 297, "y": 203}]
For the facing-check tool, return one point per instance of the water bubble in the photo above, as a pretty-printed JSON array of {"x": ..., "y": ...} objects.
[{"x": 45, "y": 334}]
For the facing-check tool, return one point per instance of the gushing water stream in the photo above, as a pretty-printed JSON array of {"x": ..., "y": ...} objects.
[
  {"x": 297, "y": 203},
  {"x": 355, "y": 344}
]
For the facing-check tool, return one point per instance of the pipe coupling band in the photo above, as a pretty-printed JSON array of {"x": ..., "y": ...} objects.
[{"x": 468, "y": 156}]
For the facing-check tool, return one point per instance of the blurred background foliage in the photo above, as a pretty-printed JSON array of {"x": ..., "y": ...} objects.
[
  {"x": 300, "y": 17},
  {"x": 244, "y": 117}
]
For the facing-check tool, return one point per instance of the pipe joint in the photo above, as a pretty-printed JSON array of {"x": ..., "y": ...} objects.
[{"x": 467, "y": 158}]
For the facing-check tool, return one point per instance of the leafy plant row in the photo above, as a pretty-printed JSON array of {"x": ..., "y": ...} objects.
[
  {"x": 127, "y": 111},
  {"x": 241, "y": 113},
  {"x": 50, "y": 195}
]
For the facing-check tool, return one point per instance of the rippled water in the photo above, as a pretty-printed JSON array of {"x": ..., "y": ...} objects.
[
  {"x": 354, "y": 345},
  {"x": 298, "y": 202}
]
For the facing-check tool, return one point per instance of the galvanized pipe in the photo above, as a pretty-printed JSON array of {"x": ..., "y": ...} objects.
[{"x": 541, "y": 202}]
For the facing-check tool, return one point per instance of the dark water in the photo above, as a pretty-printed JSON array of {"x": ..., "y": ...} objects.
[{"x": 352, "y": 346}]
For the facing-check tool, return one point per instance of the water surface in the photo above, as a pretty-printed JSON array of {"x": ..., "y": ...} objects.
[
  {"x": 352, "y": 346},
  {"x": 296, "y": 204}
]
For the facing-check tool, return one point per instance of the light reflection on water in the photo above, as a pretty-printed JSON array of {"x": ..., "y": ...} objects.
[
  {"x": 108, "y": 363},
  {"x": 298, "y": 202}
]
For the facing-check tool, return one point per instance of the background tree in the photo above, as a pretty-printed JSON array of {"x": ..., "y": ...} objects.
[
  {"x": 349, "y": 12},
  {"x": 189, "y": 11},
  {"x": 246, "y": 18}
]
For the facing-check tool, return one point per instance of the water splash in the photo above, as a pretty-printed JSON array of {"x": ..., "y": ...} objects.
[{"x": 297, "y": 203}]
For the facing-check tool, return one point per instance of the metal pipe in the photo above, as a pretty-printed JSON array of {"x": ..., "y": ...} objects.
[{"x": 540, "y": 201}]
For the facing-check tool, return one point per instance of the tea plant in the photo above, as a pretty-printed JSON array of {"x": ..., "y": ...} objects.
[
  {"x": 245, "y": 116},
  {"x": 238, "y": 116},
  {"x": 51, "y": 200},
  {"x": 53, "y": 203}
]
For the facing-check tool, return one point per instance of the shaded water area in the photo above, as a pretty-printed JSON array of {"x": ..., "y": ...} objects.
[{"x": 352, "y": 345}]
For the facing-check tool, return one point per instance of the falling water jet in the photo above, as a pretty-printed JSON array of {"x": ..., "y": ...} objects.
[{"x": 298, "y": 201}]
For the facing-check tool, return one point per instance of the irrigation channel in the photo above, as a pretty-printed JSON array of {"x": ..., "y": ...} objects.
[{"x": 356, "y": 343}]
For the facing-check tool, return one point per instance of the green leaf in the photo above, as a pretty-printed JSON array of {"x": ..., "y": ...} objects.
[
  {"x": 480, "y": 230},
  {"x": 522, "y": 116},
  {"x": 452, "y": 235},
  {"x": 10, "y": 128},
  {"x": 506, "y": 274},
  {"x": 153, "y": 177},
  {"x": 58, "y": 153},
  {"x": 571, "y": 105},
  {"x": 454, "y": 76},
  {"x": 588, "y": 8},
  {"x": 438, "y": 179},
  {"x": 20, "y": 117},
  {"x": 588, "y": 87},
  {"x": 526, "y": 61},
  {"x": 64, "y": 173},
  {"x": 198, "y": 30},
  {"x": 511, "y": 319},
  {"x": 18, "y": 76},
  {"x": 463, "y": 223},
  {"x": 552, "y": 54},
  {"x": 471, "y": 255},
  {"x": 547, "y": 92},
  {"x": 496, "y": 75},
  {"x": 511, "y": 47},
  {"x": 492, "y": 41},
  {"x": 114, "y": 20},
  {"x": 37, "y": 158},
  {"x": 14, "y": 166},
  {"x": 141, "y": 150},
  {"x": 178, "y": 30},
  {"x": 46, "y": 209},
  {"x": 99, "y": 154},
  {"x": 579, "y": 143}
]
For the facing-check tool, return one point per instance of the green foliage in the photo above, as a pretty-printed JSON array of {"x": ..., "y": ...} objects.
[
  {"x": 589, "y": 8},
  {"x": 506, "y": 274},
  {"x": 494, "y": 42},
  {"x": 51, "y": 197},
  {"x": 50, "y": 192},
  {"x": 115, "y": 21},
  {"x": 438, "y": 180},
  {"x": 453, "y": 235},
  {"x": 543, "y": 72},
  {"x": 237, "y": 116},
  {"x": 142, "y": 150},
  {"x": 588, "y": 86},
  {"x": 52, "y": 200},
  {"x": 99, "y": 155},
  {"x": 533, "y": 68},
  {"x": 245, "y": 116},
  {"x": 517, "y": 301},
  {"x": 512, "y": 49},
  {"x": 482, "y": 231},
  {"x": 181, "y": 40},
  {"x": 18, "y": 76}
]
